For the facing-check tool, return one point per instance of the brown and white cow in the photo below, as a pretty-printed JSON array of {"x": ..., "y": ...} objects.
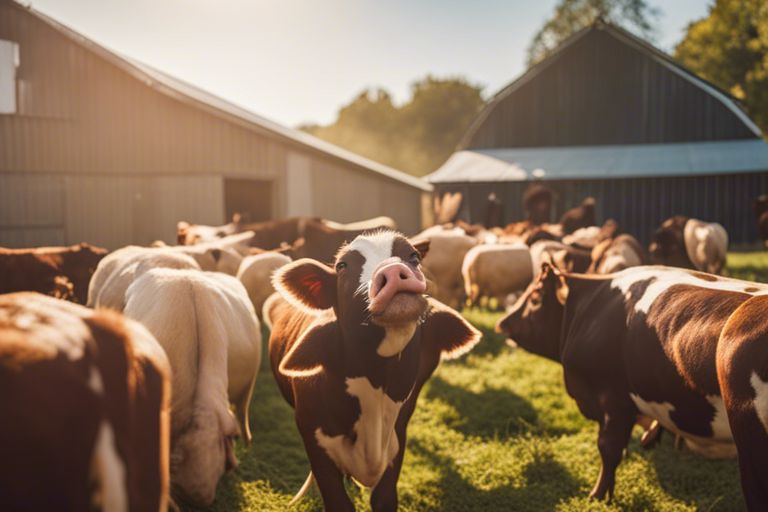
[
  {"x": 351, "y": 348},
  {"x": 616, "y": 254},
  {"x": 685, "y": 348},
  {"x": 84, "y": 399},
  {"x": 41, "y": 269},
  {"x": 690, "y": 243}
]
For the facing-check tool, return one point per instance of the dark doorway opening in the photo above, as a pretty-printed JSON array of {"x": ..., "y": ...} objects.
[{"x": 252, "y": 199}]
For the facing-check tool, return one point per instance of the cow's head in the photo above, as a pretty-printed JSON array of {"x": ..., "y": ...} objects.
[
  {"x": 201, "y": 454},
  {"x": 535, "y": 320},
  {"x": 668, "y": 244},
  {"x": 376, "y": 285},
  {"x": 377, "y": 278}
]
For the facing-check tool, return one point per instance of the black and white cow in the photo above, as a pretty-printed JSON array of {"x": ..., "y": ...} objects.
[
  {"x": 351, "y": 348},
  {"x": 685, "y": 348}
]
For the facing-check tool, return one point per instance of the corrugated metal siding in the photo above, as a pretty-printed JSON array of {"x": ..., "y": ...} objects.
[
  {"x": 347, "y": 196},
  {"x": 600, "y": 90},
  {"x": 126, "y": 162},
  {"x": 639, "y": 205}
]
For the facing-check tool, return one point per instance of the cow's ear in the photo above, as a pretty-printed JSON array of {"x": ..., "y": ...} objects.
[
  {"x": 306, "y": 283},
  {"x": 422, "y": 246},
  {"x": 310, "y": 352},
  {"x": 448, "y": 332}
]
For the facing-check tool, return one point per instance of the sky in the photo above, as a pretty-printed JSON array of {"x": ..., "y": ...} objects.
[{"x": 298, "y": 61}]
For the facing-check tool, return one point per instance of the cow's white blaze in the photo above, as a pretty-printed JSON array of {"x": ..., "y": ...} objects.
[
  {"x": 667, "y": 277},
  {"x": 375, "y": 248},
  {"x": 761, "y": 398},
  {"x": 376, "y": 444}
]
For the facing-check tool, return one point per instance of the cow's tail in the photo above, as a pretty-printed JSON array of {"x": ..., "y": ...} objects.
[{"x": 304, "y": 489}]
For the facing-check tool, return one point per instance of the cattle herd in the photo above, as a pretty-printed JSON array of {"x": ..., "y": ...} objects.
[{"x": 126, "y": 377}]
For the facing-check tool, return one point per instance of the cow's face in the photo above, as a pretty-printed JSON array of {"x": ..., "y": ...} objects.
[
  {"x": 535, "y": 320},
  {"x": 201, "y": 454},
  {"x": 377, "y": 278}
]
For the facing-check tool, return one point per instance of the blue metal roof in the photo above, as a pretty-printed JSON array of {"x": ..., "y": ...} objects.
[{"x": 600, "y": 162}]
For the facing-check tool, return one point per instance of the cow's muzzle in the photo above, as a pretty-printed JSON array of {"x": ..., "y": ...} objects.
[{"x": 391, "y": 278}]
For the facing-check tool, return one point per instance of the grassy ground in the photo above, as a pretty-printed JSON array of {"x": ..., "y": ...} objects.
[{"x": 494, "y": 431}]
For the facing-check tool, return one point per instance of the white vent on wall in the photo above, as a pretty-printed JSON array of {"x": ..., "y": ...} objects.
[{"x": 9, "y": 61}]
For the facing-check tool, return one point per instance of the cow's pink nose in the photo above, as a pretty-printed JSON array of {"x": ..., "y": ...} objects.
[{"x": 390, "y": 279}]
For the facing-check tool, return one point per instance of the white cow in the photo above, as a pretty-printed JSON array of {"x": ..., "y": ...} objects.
[
  {"x": 256, "y": 275},
  {"x": 496, "y": 271},
  {"x": 208, "y": 328}
]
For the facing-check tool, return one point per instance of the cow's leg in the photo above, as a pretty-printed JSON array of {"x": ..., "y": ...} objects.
[
  {"x": 613, "y": 437},
  {"x": 384, "y": 495},
  {"x": 329, "y": 479}
]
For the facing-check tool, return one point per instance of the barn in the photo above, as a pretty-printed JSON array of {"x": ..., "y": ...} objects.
[
  {"x": 97, "y": 147},
  {"x": 608, "y": 115}
]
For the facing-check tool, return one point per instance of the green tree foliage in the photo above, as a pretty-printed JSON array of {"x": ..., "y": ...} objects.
[
  {"x": 416, "y": 137},
  {"x": 573, "y": 15},
  {"x": 730, "y": 48}
]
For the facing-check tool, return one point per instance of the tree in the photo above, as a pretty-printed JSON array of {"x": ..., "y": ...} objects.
[
  {"x": 416, "y": 137},
  {"x": 730, "y": 49},
  {"x": 573, "y": 15}
]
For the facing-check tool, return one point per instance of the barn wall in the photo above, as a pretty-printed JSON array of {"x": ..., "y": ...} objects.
[
  {"x": 601, "y": 90},
  {"x": 638, "y": 204},
  {"x": 347, "y": 196},
  {"x": 94, "y": 154}
]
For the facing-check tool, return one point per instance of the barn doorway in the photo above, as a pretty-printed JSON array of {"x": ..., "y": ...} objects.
[{"x": 252, "y": 199}]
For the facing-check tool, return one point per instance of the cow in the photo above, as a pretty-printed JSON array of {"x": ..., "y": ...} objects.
[
  {"x": 50, "y": 270},
  {"x": 321, "y": 241},
  {"x": 443, "y": 263},
  {"x": 537, "y": 203},
  {"x": 207, "y": 326},
  {"x": 616, "y": 254},
  {"x": 579, "y": 217},
  {"x": 256, "y": 275},
  {"x": 761, "y": 216},
  {"x": 690, "y": 243},
  {"x": 190, "y": 234},
  {"x": 495, "y": 271},
  {"x": 117, "y": 271},
  {"x": 682, "y": 347},
  {"x": 84, "y": 401},
  {"x": 350, "y": 349},
  {"x": 565, "y": 257}
]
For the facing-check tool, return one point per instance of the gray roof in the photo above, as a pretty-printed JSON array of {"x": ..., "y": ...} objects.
[
  {"x": 190, "y": 94},
  {"x": 596, "y": 162}
]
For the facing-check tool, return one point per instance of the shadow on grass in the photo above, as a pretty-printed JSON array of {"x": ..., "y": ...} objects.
[
  {"x": 489, "y": 414},
  {"x": 547, "y": 482},
  {"x": 276, "y": 457},
  {"x": 714, "y": 485}
]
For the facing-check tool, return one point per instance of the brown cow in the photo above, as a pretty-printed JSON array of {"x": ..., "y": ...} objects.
[
  {"x": 84, "y": 402},
  {"x": 580, "y": 216},
  {"x": 682, "y": 347},
  {"x": 351, "y": 348},
  {"x": 537, "y": 203},
  {"x": 41, "y": 269}
]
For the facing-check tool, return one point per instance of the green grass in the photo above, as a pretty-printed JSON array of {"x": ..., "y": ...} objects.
[{"x": 494, "y": 431}]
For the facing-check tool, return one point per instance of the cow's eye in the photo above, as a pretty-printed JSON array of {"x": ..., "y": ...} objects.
[
  {"x": 415, "y": 258},
  {"x": 341, "y": 266}
]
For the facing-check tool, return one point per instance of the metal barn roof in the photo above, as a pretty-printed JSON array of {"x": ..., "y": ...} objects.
[
  {"x": 193, "y": 95},
  {"x": 596, "y": 162}
]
